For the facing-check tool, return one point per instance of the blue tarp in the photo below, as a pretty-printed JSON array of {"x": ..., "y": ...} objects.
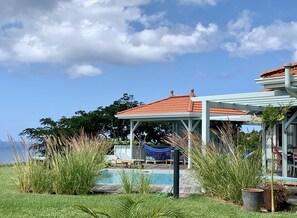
[{"x": 158, "y": 153}]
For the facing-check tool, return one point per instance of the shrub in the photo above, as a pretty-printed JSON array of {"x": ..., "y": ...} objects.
[
  {"x": 136, "y": 181},
  {"x": 222, "y": 169},
  {"x": 68, "y": 170},
  {"x": 144, "y": 185},
  {"x": 34, "y": 177},
  {"x": 128, "y": 181}
]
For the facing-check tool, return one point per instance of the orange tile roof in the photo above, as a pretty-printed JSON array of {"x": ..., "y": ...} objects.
[
  {"x": 280, "y": 71},
  {"x": 175, "y": 104}
]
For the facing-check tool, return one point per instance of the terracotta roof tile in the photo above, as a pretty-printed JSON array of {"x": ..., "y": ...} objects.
[
  {"x": 175, "y": 104},
  {"x": 280, "y": 71}
]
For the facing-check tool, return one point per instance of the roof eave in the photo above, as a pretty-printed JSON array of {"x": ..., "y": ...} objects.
[
  {"x": 168, "y": 116},
  {"x": 275, "y": 82}
]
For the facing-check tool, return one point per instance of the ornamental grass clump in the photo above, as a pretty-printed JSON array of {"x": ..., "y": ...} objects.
[
  {"x": 128, "y": 181},
  {"x": 144, "y": 183},
  {"x": 31, "y": 176},
  {"x": 75, "y": 166},
  {"x": 136, "y": 181},
  {"x": 222, "y": 169},
  {"x": 68, "y": 169}
]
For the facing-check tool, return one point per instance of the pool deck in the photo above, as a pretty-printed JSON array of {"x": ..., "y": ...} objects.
[{"x": 188, "y": 183}]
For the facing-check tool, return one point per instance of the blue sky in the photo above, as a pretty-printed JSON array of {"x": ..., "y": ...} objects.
[{"x": 60, "y": 56}]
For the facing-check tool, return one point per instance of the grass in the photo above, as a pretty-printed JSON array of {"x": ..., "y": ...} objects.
[
  {"x": 71, "y": 169},
  {"x": 16, "y": 204},
  {"x": 221, "y": 168}
]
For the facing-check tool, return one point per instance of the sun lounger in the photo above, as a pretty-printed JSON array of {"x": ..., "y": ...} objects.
[{"x": 125, "y": 159}]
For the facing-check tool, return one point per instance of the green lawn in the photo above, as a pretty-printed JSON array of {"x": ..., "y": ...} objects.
[{"x": 14, "y": 204}]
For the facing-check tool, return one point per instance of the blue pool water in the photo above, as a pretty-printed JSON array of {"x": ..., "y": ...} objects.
[{"x": 158, "y": 177}]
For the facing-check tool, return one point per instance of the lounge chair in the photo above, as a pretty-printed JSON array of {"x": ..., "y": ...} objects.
[{"x": 126, "y": 160}]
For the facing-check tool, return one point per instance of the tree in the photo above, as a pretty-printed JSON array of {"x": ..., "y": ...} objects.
[
  {"x": 270, "y": 117},
  {"x": 100, "y": 121}
]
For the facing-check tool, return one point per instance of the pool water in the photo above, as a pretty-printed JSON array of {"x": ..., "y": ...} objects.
[{"x": 158, "y": 177}]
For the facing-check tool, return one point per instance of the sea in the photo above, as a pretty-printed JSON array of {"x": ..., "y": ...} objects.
[{"x": 8, "y": 151}]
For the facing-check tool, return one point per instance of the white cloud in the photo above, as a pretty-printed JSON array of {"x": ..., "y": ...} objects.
[
  {"x": 246, "y": 41},
  {"x": 3, "y": 55},
  {"x": 199, "y": 2},
  {"x": 76, "y": 31},
  {"x": 241, "y": 25},
  {"x": 77, "y": 71}
]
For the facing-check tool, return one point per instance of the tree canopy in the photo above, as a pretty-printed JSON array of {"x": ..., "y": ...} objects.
[{"x": 100, "y": 121}]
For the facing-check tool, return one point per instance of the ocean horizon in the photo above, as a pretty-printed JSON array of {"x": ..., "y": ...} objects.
[{"x": 7, "y": 152}]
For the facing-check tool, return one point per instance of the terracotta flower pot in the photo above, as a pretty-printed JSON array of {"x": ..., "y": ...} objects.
[{"x": 279, "y": 204}]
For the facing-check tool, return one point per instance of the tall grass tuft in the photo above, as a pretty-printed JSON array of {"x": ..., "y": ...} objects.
[
  {"x": 144, "y": 185},
  {"x": 128, "y": 181},
  {"x": 71, "y": 169},
  {"x": 75, "y": 166},
  {"x": 221, "y": 168}
]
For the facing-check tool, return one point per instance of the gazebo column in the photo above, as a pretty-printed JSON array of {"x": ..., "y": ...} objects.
[
  {"x": 190, "y": 126},
  {"x": 205, "y": 122},
  {"x": 190, "y": 130},
  {"x": 133, "y": 127}
]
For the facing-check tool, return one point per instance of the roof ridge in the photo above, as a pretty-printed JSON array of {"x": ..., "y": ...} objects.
[{"x": 154, "y": 102}]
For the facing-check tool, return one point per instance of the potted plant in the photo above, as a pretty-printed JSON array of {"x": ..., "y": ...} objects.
[
  {"x": 281, "y": 194},
  {"x": 270, "y": 117}
]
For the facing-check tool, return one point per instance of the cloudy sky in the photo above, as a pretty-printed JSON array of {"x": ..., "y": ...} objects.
[{"x": 60, "y": 56}]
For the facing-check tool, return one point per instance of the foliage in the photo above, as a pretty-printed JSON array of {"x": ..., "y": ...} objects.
[
  {"x": 130, "y": 208},
  {"x": 70, "y": 170},
  {"x": 250, "y": 140},
  {"x": 271, "y": 116},
  {"x": 221, "y": 168},
  {"x": 144, "y": 185},
  {"x": 101, "y": 121},
  {"x": 281, "y": 191},
  {"x": 136, "y": 181},
  {"x": 128, "y": 181}
]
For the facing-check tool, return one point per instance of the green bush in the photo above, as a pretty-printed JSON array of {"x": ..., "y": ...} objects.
[
  {"x": 136, "y": 181},
  {"x": 128, "y": 181},
  {"x": 71, "y": 169},
  {"x": 144, "y": 185},
  {"x": 222, "y": 169}
]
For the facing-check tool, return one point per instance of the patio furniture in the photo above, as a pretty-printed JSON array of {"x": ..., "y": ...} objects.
[{"x": 125, "y": 160}]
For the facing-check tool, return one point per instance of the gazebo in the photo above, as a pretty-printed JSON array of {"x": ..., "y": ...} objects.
[{"x": 182, "y": 112}]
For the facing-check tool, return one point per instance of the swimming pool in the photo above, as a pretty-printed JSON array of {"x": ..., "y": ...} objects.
[{"x": 158, "y": 177}]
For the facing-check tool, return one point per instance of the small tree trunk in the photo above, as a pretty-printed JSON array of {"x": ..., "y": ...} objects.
[{"x": 272, "y": 172}]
